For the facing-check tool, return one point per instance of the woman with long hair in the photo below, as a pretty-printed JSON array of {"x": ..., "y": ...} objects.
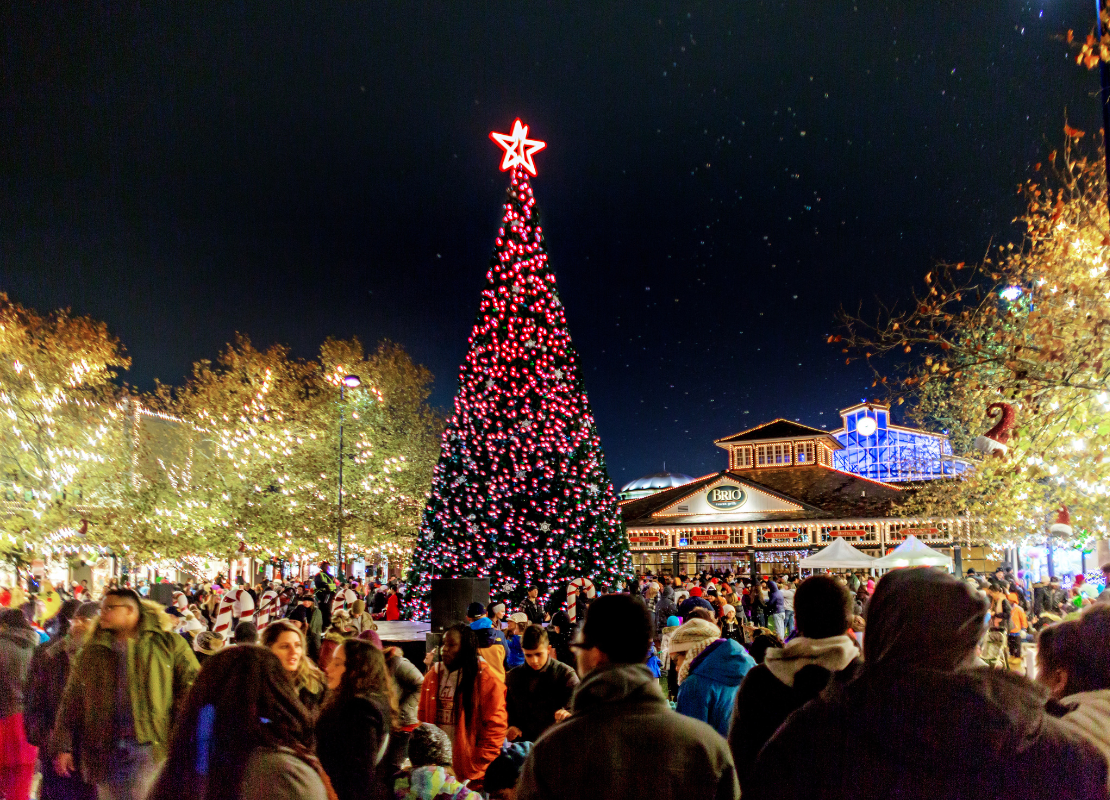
[
  {"x": 242, "y": 734},
  {"x": 287, "y": 642},
  {"x": 463, "y": 696},
  {"x": 352, "y": 732}
]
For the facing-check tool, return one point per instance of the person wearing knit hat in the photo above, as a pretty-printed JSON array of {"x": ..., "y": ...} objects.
[
  {"x": 431, "y": 777},
  {"x": 893, "y": 729},
  {"x": 695, "y": 600},
  {"x": 710, "y": 670}
]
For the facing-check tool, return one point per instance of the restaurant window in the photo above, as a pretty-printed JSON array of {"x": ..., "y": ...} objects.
[{"x": 773, "y": 455}]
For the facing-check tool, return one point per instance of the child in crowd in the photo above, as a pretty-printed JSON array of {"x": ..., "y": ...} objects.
[{"x": 431, "y": 777}]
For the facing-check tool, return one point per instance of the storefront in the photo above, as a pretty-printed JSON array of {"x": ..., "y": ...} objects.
[{"x": 780, "y": 500}]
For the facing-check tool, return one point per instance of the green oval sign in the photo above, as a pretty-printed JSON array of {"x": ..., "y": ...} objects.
[{"x": 726, "y": 498}]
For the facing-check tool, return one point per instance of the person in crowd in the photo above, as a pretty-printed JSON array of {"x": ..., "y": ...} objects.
[
  {"x": 914, "y": 704},
  {"x": 696, "y": 600},
  {"x": 730, "y": 625},
  {"x": 119, "y": 700},
  {"x": 431, "y": 776},
  {"x": 710, "y": 670},
  {"x": 287, "y": 641},
  {"x": 352, "y": 731},
  {"x": 491, "y": 642},
  {"x": 664, "y": 608},
  {"x": 514, "y": 627},
  {"x": 559, "y": 632},
  {"x": 46, "y": 681},
  {"x": 310, "y": 620},
  {"x": 242, "y": 734},
  {"x": 531, "y": 606},
  {"x": 407, "y": 681},
  {"x": 17, "y": 755},
  {"x": 393, "y": 604},
  {"x": 378, "y": 602},
  {"x": 703, "y": 614},
  {"x": 361, "y": 620},
  {"x": 339, "y": 631},
  {"x": 246, "y": 632},
  {"x": 1074, "y": 659},
  {"x": 787, "y": 590},
  {"x": 791, "y": 676},
  {"x": 622, "y": 739},
  {"x": 464, "y": 696},
  {"x": 497, "y": 616},
  {"x": 207, "y": 643},
  {"x": 504, "y": 772},
  {"x": 538, "y": 692},
  {"x": 651, "y": 597}
]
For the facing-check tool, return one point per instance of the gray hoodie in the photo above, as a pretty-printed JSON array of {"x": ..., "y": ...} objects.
[{"x": 17, "y": 645}]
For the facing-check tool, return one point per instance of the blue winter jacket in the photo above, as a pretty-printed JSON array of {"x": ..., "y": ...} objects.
[
  {"x": 709, "y": 691},
  {"x": 515, "y": 656}
]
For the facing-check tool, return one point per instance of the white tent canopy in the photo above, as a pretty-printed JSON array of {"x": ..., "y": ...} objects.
[
  {"x": 838, "y": 555},
  {"x": 913, "y": 553}
]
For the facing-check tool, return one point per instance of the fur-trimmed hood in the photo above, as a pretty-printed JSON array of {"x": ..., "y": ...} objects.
[{"x": 833, "y": 654}]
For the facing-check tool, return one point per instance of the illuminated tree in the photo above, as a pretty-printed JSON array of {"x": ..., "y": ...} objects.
[
  {"x": 1030, "y": 325},
  {"x": 263, "y": 471},
  {"x": 65, "y": 453},
  {"x": 521, "y": 492}
]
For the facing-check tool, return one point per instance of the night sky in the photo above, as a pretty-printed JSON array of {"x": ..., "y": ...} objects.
[{"x": 719, "y": 179}]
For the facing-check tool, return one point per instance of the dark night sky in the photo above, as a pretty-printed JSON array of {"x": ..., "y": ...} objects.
[{"x": 720, "y": 178}]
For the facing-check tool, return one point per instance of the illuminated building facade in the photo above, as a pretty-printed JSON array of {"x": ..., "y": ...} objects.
[{"x": 874, "y": 447}]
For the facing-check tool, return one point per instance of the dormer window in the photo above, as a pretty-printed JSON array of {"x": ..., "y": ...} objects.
[
  {"x": 776, "y": 454},
  {"x": 805, "y": 453},
  {"x": 741, "y": 457}
]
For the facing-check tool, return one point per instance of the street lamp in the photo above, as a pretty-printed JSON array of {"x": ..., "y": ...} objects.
[{"x": 349, "y": 381}]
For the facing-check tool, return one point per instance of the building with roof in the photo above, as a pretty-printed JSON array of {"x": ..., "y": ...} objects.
[
  {"x": 650, "y": 484},
  {"x": 781, "y": 497},
  {"x": 874, "y": 447}
]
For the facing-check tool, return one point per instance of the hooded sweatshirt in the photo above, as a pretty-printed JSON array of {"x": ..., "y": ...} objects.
[
  {"x": 1089, "y": 717},
  {"x": 622, "y": 737},
  {"x": 17, "y": 645},
  {"x": 775, "y": 601},
  {"x": 709, "y": 690},
  {"x": 788, "y": 678},
  {"x": 915, "y": 722}
]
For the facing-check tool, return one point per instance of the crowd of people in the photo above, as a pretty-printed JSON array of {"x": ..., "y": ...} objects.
[{"x": 836, "y": 686}]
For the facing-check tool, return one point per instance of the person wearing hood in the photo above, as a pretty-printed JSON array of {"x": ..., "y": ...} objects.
[
  {"x": 710, "y": 670},
  {"x": 664, "y": 607},
  {"x": 622, "y": 737},
  {"x": 118, "y": 703},
  {"x": 492, "y": 646},
  {"x": 558, "y": 636},
  {"x": 791, "y": 676},
  {"x": 917, "y": 720},
  {"x": 17, "y": 756},
  {"x": 46, "y": 681},
  {"x": 776, "y": 609},
  {"x": 1074, "y": 661}
]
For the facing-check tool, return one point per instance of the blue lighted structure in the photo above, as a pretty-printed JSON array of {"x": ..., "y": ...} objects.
[{"x": 876, "y": 448}]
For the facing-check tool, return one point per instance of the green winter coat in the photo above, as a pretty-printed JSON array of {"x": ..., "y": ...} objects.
[{"x": 161, "y": 668}]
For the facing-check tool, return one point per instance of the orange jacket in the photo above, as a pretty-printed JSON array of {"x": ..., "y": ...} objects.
[{"x": 473, "y": 750}]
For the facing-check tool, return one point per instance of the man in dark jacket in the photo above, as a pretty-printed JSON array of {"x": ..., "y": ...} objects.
[
  {"x": 531, "y": 606},
  {"x": 46, "y": 681},
  {"x": 622, "y": 740},
  {"x": 918, "y": 721},
  {"x": 791, "y": 676},
  {"x": 120, "y": 698},
  {"x": 539, "y": 690},
  {"x": 664, "y": 608}
]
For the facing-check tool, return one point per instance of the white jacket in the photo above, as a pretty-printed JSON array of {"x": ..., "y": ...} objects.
[{"x": 1090, "y": 718}]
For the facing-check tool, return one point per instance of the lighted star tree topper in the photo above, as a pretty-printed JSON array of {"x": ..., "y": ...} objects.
[{"x": 521, "y": 493}]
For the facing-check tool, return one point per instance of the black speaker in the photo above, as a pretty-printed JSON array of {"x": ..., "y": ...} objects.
[
  {"x": 162, "y": 593},
  {"x": 450, "y": 597}
]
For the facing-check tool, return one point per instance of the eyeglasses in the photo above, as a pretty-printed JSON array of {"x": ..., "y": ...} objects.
[{"x": 117, "y": 605}]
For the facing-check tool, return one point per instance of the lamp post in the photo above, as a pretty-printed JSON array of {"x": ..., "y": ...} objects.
[{"x": 351, "y": 381}]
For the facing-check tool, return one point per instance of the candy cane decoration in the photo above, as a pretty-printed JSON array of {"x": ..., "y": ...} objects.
[
  {"x": 223, "y": 615},
  {"x": 242, "y": 603},
  {"x": 180, "y": 601},
  {"x": 577, "y": 586},
  {"x": 343, "y": 598},
  {"x": 267, "y": 608}
]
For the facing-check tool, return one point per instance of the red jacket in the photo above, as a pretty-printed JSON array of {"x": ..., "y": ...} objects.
[
  {"x": 473, "y": 750},
  {"x": 392, "y": 611}
]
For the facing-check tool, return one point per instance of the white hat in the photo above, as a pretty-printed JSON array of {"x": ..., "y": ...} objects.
[
  {"x": 497, "y": 608},
  {"x": 519, "y": 617}
]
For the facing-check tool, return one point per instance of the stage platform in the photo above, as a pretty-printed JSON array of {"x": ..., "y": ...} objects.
[{"x": 410, "y": 637}]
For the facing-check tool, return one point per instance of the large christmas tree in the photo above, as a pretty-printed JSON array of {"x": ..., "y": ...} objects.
[{"x": 521, "y": 493}]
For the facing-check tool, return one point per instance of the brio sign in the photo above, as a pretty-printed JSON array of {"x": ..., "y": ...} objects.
[{"x": 726, "y": 498}]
